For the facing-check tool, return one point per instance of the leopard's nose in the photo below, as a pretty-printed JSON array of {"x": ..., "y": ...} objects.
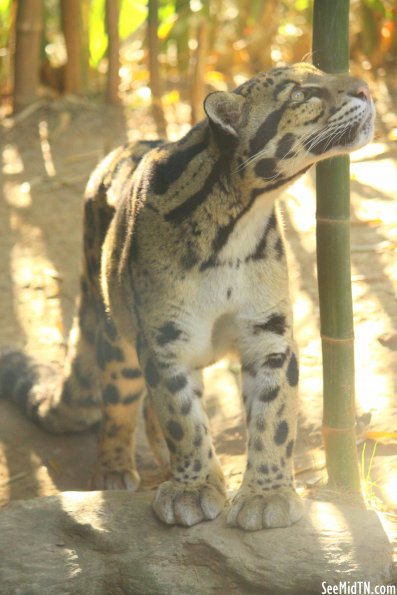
[{"x": 361, "y": 92}]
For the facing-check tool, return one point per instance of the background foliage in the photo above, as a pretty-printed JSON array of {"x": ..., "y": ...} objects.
[{"x": 241, "y": 37}]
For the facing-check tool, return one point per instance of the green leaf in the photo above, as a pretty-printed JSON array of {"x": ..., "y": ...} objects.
[
  {"x": 132, "y": 14},
  {"x": 98, "y": 40}
]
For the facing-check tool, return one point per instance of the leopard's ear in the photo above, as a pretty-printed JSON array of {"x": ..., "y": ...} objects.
[{"x": 224, "y": 112}]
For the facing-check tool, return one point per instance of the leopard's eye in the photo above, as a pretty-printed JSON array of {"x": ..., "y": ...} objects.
[{"x": 297, "y": 95}]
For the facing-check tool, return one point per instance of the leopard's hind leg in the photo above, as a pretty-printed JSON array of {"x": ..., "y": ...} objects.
[{"x": 122, "y": 387}]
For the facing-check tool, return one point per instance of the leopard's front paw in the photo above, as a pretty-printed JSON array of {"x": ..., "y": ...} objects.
[
  {"x": 107, "y": 479},
  {"x": 181, "y": 504},
  {"x": 276, "y": 508}
]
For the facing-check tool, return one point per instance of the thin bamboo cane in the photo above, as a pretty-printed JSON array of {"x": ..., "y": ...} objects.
[
  {"x": 28, "y": 31},
  {"x": 112, "y": 27},
  {"x": 331, "y": 54},
  {"x": 155, "y": 83}
]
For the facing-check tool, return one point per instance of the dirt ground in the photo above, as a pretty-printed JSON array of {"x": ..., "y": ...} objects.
[{"x": 47, "y": 155}]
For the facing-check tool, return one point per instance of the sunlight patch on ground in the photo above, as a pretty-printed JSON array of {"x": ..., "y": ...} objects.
[
  {"x": 329, "y": 518},
  {"x": 85, "y": 508},
  {"x": 17, "y": 195},
  {"x": 35, "y": 281},
  {"x": 42, "y": 476},
  {"x": 11, "y": 160}
]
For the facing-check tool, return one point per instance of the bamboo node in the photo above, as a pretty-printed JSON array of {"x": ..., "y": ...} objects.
[
  {"x": 332, "y": 220},
  {"x": 337, "y": 340},
  {"x": 329, "y": 430}
]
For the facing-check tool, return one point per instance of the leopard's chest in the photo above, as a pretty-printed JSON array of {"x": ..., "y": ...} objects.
[{"x": 222, "y": 302}]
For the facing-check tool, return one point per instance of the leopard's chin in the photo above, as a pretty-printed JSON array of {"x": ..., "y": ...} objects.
[{"x": 364, "y": 132}]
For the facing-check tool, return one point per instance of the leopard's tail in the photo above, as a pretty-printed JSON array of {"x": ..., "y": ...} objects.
[{"x": 59, "y": 400}]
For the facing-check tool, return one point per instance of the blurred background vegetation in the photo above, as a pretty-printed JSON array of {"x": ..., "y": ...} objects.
[{"x": 170, "y": 52}]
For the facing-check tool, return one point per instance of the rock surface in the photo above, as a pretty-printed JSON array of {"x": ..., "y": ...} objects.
[{"x": 110, "y": 543}]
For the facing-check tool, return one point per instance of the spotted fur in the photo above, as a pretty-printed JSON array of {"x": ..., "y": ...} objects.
[{"x": 184, "y": 262}]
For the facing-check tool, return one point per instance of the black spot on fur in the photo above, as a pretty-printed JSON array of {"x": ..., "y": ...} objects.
[
  {"x": 132, "y": 373},
  {"x": 258, "y": 444},
  {"x": 285, "y": 145},
  {"x": 281, "y": 433},
  {"x": 176, "y": 383},
  {"x": 269, "y": 394},
  {"x": 104, "y": 351},
  {"x": 293, "y": 371},
  {"x": 229, "y": 293},
  {"x": 131, "y": 398},
  {"x": 196, "y": 466},
  {"x": 175, "y": 430},
  {"x": 167, "y": 333},
  {"x": 266, "y": 168},
  {"x": 151, "y": 374},
  {"x": 111, "y": 394},
  {"x": 264, "y": 469},
  {"x": 275, "y": 324},
  {"x": 289, "y": 449}
]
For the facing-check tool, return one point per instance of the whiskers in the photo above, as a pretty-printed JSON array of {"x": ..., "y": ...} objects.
[{"x": 328, "y": 136}]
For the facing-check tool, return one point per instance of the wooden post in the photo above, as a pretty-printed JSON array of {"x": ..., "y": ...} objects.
[
  {"x": 331, "y": 54},
  {"x": 71, "y": 26},
  {"x": 112, "y": 28},
  {"x": 29, "y": 25}
]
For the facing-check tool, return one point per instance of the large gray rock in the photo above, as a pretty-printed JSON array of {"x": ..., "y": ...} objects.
[{"x": 110, "y": 543}]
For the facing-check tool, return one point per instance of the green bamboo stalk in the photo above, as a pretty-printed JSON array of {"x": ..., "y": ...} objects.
[{"x": 331, "y": 54}]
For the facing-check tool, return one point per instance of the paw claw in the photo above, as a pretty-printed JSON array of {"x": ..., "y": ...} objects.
[
  {"x": 178, "y": 504},
  {"x": 115, "y": 480},
  {"x": 252, "y": 512}
]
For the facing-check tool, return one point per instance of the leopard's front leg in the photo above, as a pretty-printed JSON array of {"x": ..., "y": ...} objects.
[
  {"x": 270, "y": 377},
  {"x": 195, "y": 491}
]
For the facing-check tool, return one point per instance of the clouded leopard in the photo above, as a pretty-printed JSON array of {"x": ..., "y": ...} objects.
[{"x": 184, "y": 262}]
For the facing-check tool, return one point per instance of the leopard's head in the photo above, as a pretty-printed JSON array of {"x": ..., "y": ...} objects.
[{"x": 279, "y": 123}]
